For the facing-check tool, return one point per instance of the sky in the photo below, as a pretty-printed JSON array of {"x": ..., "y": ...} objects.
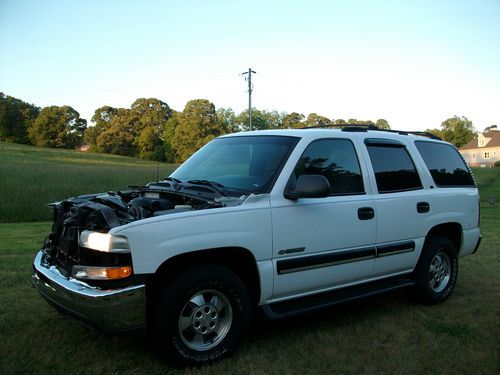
[{"x": 413, "y": 63}]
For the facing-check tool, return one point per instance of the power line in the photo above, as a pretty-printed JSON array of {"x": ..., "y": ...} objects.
[{"x": 250, "y": 89}]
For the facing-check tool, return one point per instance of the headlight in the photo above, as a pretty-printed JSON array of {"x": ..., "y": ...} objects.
[
  {"x": 108, "y": 243},
  {"x": 101, "y": 273}
]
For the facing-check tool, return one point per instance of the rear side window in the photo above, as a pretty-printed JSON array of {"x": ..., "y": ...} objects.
[
  {"x": 335, "y": 159},
  {"x": 393, "y": 167},
  {"x": 445, "y": 164}
]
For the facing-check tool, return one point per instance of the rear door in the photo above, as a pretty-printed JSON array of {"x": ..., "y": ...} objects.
[{"x": 402, "y": 206}]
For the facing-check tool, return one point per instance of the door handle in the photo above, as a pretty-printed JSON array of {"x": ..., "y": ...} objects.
[
  {"x": 423, "y": 207},
  {"x": 366, "y": 213}
]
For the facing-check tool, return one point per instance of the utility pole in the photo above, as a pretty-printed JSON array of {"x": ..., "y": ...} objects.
[{"x": 250, "y": 88}]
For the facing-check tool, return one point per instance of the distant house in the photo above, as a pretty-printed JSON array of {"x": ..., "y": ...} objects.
[{"x": 484, "y": 150}]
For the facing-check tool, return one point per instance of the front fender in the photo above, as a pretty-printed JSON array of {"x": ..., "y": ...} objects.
[{"x": 154, "y": 242}]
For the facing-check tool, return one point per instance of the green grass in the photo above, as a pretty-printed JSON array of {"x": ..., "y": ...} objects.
[
  {"x": 488, "y": 180},
  {"x": 390, "y": 334},
  {"x": 32, "y": 177}
]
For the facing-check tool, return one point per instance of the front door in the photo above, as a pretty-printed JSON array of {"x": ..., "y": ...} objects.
[{"x": 322, "y": 243}]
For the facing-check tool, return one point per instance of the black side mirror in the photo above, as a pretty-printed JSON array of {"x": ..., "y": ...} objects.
[{"x": 308, "y": 186}]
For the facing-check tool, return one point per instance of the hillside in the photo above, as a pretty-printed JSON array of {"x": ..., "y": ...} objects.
[
  {"x": 488, "y": 180},
  {"x": 32, "y": 177}
]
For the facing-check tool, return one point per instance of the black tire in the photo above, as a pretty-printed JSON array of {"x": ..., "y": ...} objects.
[
  {"x": 437, "y": 271},
  {"x": 200, "y": 317}
]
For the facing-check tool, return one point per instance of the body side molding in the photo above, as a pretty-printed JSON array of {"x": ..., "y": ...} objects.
[{"x": 343, "y": 256}]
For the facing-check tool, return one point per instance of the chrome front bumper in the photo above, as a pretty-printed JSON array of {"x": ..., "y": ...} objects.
[{"x": 107, "y": 310}]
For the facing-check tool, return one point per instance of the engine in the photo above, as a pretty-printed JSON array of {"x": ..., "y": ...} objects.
[{"x": 102, "y": 212}]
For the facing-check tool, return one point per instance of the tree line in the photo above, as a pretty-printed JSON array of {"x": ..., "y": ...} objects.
[{"x": 150, "y": 129}]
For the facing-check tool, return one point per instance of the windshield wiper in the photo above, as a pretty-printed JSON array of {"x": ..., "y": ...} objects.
[
  {"x": 214, "y": 185},
  {"x": 176, "y": 180}
]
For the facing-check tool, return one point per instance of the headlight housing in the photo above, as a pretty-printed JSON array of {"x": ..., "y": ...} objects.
[{"x": 105, "y": 242}]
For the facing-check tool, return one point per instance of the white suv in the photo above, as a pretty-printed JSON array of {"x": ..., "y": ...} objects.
[{"x": 286, "y": 221}]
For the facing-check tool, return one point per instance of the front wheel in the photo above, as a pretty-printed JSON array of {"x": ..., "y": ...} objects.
[
  {"x": 202, "y": 316},
  {"x": 437, "y": 270}
]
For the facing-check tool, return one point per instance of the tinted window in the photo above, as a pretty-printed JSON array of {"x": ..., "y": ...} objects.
[
  {"x": 394, "y": 169},
  {"x": 336, "y": 160},
  {"x": 445, "y": 164}
]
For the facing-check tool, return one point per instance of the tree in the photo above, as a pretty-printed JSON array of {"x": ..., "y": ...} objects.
[
  {"x": 293, "y": 120},
  {"x": 353, "y": 121},
  {"x": 140, "y": 129},
  {"x": 168, "y": 136},
  {"x": 198, "y": 124},
  {"x": 58, "y": 127},
  {"x": 259, "y": 121},
  {"x": 457, "y": 130},
  {"x": 382, "y": 124},
  {"x": 151, "y": 112},
  {"x": 149, "y": 145},
  {"x": 228, "y": 119},
  {"x": 101, "y": 119},
  {"x": 152, "y": 115},
  {"x": 16, "y": 117},
  {"x": 119, "y": 136},
  {"x": 104, "y": 115},
  {"x": 274, "y": 118},
  {"x": 314, "y": 120}
]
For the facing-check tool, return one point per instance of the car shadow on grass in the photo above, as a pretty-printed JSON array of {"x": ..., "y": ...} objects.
[
  {"x": 336, "y": 316},
  {"x": 264, "y": 340}
]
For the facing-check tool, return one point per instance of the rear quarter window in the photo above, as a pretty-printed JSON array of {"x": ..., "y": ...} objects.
[{"x": 445, "y": 164}]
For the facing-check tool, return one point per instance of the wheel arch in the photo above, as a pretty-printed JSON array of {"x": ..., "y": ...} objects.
[
  {"x": 452, "y": 231},
  {"x": 238, "y": 259}
]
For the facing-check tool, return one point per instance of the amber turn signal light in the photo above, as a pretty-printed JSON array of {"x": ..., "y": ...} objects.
[{"x": 101, "y": 273}]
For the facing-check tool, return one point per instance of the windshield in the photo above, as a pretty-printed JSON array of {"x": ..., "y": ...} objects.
[{"x": 248, "y": 164}]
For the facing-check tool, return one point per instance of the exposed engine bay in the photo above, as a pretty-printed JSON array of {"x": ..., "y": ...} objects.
[{"x": 102, "y": 212}]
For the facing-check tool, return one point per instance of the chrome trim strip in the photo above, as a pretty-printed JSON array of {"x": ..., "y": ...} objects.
[
  {"x": 327, "y": 259},
  {"x": 305, "y": 268},
  {"x": 324, "y": 259},
  {"x": 395, "y": 248},
  {"x": 409, "y": 250}
]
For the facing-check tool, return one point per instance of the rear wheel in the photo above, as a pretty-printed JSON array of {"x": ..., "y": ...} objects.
[
  {"x": 202, "y": 316},
  {"x": 437, "y": 270}
]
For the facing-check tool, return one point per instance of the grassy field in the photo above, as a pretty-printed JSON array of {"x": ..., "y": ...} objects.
[
  {"x": 389, "y": 334},
  {"x": 488, "y": 180},
  {"x": 32, "y": 177}
]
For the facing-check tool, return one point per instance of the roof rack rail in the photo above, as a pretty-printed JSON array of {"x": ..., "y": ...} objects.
[
  {"x": 366, "y": 127},
  {"x": 342, "y": 126}
]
